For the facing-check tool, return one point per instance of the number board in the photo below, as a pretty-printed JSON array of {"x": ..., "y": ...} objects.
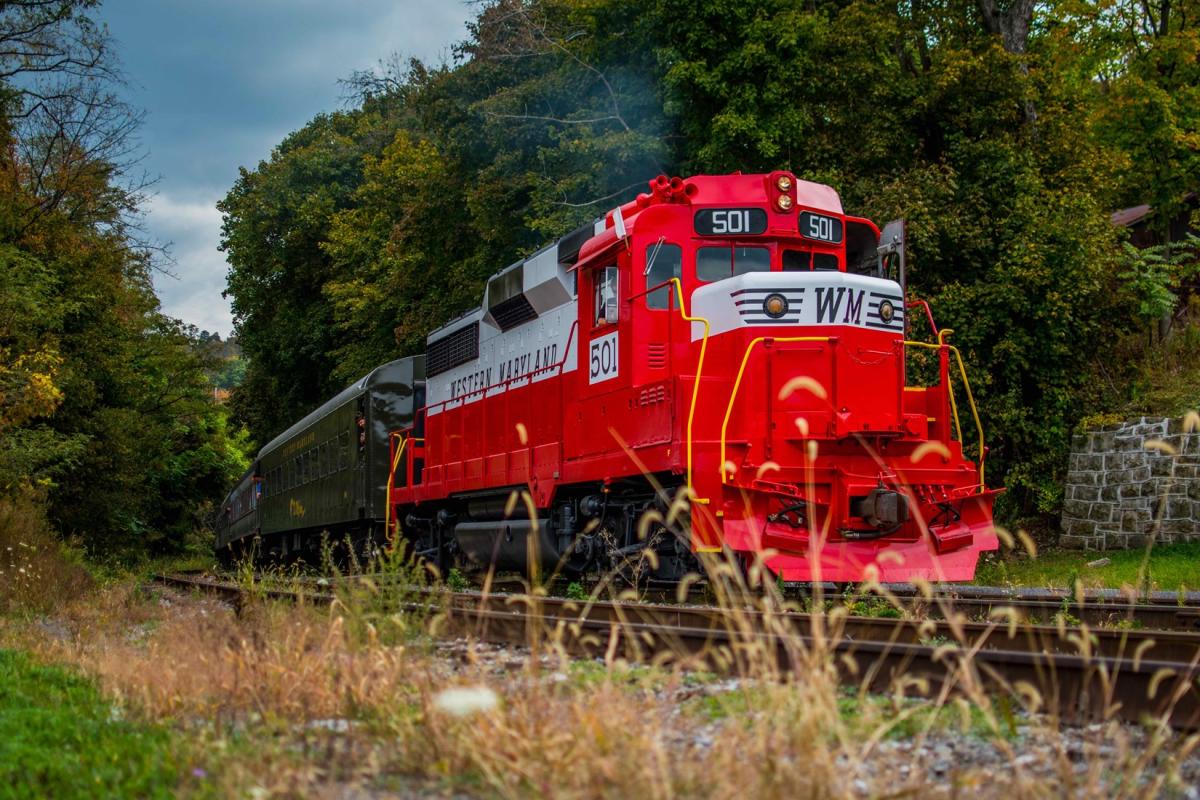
[
  {"x": 730, "y": 221},
  {"x": 602, "y": 359},
  {"x": 820, "y": 227}
]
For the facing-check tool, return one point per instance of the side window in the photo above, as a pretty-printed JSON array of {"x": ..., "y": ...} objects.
[
  {"x": 604, "y": 298},
  {"x": 663, "y": 262}
]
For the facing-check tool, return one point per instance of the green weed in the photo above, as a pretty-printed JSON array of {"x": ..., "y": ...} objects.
[{"x": 59, "y": 737}]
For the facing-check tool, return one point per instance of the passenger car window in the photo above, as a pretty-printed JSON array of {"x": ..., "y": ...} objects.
[{"x": 663, "y": 262}]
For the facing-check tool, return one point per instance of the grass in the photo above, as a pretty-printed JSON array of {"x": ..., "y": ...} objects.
[
  {"x": 300, "y": 701},
  {"x": 365, "y": 696},
  {"x": 1172, "y": 567},
  {"x": 60, "y": 737}
]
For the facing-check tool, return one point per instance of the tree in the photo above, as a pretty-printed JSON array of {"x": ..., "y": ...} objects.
[
  {"x": 276, "y": 219},
  {"x": 105, "y": 404}
]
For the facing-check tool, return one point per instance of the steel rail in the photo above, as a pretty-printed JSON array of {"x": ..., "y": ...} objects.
[
  {"x": 1100, "y": 608},
  {"x": 1081, "y": 673}
]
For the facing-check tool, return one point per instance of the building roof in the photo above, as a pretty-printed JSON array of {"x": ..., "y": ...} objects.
[{"x": 1131, "y": 216}]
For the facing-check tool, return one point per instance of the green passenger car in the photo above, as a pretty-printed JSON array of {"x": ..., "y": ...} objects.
[{"x": 328, "y": 473}]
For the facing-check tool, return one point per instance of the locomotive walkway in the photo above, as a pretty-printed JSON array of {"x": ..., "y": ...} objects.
[{"x": 1079, "y": 671}]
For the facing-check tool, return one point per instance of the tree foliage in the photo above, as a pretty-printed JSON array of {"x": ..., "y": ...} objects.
[
  {"x": 1004, "y": 131},
  {"x": 105, "y": 403}
]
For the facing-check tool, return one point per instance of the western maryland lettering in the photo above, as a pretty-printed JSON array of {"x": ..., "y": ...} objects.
[
  {"x": 529, "y": 363},
  {"x": 511, "y": 369},
  {"x": 470, "y": 384},
  {"x": 829, "y": 303}
]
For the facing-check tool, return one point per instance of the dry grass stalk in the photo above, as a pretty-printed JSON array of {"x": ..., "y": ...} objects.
[
  {"x": 350, "y": 695},
  {"x": 36, "y": 571}
]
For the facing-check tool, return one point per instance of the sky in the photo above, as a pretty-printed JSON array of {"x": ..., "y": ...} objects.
[{"x": 223, "y": 81}]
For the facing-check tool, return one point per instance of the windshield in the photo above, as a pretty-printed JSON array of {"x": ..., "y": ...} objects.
[{"x": 718, "y": 263}]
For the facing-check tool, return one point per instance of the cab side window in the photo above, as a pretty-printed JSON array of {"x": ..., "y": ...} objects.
[
  {"x": 604, "y": 297},
  {"x": 663, "y": 262}
]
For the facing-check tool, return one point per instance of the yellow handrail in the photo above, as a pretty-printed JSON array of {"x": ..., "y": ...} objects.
[
  {"x": 962, "y": 371},
  {"x": 387, "y": 501},
  {"x": 699, "y": 372},
  {"x": 953, "y": 405},
  {"x": 737, "y": 383}
]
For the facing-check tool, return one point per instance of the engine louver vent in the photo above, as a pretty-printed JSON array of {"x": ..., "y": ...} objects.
[
  {"x": 656, "y": 355},
  {"x": 512, "y": 312},
  {"x": 451, "y": 350}
]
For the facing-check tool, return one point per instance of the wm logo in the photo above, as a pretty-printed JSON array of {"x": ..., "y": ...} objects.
[{"x": 829, "y": 303}]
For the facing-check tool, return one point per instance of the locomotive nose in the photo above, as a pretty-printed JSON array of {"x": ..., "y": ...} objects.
[{"x": 818, "y": 299}]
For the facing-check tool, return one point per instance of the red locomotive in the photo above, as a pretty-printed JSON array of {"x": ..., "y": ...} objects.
[{"x": 739, "y": 335}]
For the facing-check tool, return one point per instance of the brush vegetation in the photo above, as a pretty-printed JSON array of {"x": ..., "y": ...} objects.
[{"x": 189, "y": 696}]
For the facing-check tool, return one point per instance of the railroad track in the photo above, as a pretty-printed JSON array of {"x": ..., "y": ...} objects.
[
  {"x": 1099, "y": 608},
  {"x": 1079, "y": 672}
]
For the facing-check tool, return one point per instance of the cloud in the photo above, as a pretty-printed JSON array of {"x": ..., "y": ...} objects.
[
  {"x": 192, "y": 228},
  {"x": 224, "y": 81}
]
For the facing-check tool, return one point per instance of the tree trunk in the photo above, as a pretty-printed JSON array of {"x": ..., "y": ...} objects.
[{"x": 1012, "y": 25}]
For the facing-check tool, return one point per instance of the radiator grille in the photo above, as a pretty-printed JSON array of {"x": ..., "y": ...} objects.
[
  {"x": 452, "y": 349},
  {"x": 512, "y": 312}
]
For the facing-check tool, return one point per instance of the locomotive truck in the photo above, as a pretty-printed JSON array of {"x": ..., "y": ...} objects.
[{"x": 719, "y": 365}]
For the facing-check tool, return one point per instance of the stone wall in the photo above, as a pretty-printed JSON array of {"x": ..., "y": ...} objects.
[{"x": 1123, "y": 485}]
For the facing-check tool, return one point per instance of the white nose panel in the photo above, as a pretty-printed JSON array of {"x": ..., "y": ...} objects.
[{"x": 812, "y": 299}]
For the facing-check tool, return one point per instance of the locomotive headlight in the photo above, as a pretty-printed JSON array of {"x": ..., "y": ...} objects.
[
  {"x": 887, "y": 311},
  {"x": 784, "y": 183},
  {"x": 784, "y": 201},
  {"x": 775, "y": 306}
]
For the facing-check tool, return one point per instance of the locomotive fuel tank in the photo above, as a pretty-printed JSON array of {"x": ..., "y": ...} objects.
[{"x": 510, "y": 544}]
